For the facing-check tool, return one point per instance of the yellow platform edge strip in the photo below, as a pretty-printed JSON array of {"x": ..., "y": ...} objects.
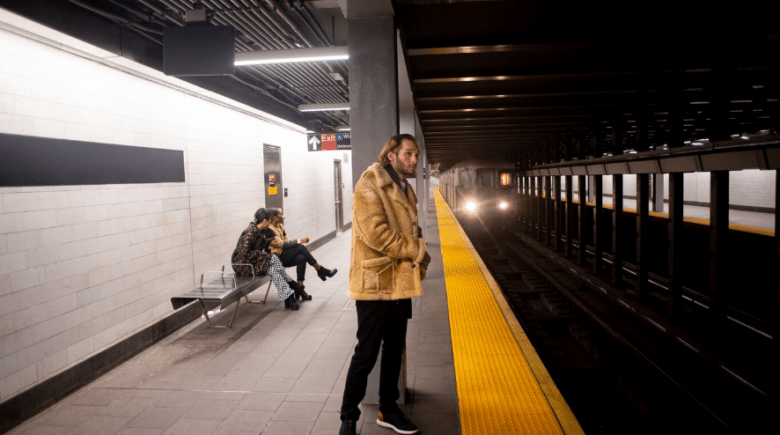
[{"x": 503, "y": 387}]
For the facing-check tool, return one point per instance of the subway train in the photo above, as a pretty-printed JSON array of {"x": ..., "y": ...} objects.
[{"x": 481, "y": 190}]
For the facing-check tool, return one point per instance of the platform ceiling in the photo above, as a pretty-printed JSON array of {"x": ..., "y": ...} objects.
[{"x": 534, "y": 82}]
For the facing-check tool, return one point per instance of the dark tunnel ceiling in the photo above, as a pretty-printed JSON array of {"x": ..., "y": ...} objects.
[
  {"x": 534, "y": 82},
  {"x": 530, "y": 80}
]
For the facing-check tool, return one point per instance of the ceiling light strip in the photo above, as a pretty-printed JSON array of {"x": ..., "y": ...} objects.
[
  {"x": 288, "y": 56},
  {"x": 323, "y": 107}
]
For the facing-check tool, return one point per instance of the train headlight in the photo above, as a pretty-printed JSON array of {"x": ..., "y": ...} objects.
[
  {"x": 470, "y": 206},
  {"x": 503, "y": 205}
]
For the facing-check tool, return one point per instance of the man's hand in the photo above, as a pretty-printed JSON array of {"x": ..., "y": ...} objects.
[
  {"x": 277, "y": 251},
  {"x": 424, "y": 265},
  {"x": 304, "y": 240}
]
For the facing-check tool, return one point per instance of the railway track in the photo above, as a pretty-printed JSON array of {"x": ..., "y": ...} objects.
[{"x": 619, "y": 375}]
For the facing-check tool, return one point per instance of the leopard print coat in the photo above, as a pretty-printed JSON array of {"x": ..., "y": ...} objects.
[{"x": 251, "y": 252}]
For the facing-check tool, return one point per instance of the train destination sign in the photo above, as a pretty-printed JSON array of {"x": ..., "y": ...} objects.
[{"x": 329, "y": 141}]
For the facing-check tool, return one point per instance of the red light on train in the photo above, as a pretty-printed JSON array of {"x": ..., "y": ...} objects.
[{"x": 506, "y": 179}]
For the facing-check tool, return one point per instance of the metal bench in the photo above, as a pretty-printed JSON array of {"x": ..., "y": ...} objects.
[{"x": 222, "y": 289}]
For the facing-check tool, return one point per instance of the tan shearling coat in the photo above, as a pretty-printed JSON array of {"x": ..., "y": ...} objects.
[{"x": 386, "y": 245}]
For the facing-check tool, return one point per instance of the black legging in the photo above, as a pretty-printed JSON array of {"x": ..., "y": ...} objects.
[{"x": 298, "y": 256}]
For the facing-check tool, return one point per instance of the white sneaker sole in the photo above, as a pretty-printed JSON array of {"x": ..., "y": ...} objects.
[{"x": 390, "y": 426}]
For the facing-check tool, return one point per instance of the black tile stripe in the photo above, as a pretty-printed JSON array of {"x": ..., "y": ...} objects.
[{"x": 40, "y": 161}]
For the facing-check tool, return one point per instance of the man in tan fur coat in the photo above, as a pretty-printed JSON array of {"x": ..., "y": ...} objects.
[{"x": 388, "y": 263}]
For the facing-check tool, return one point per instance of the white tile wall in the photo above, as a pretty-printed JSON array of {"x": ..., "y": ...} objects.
[
  {"x": 82, "y": 267},
  {"x": 748, "y": 188},
  {"x": 753, "y": 187}
]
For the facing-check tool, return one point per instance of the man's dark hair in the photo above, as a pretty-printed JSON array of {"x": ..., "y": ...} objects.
[{"x": 261, "y": 214}]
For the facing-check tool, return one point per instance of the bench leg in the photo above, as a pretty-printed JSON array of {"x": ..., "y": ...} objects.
[
  {"x": 211, "y": 324},
  {"x": 268, "y": 289}
]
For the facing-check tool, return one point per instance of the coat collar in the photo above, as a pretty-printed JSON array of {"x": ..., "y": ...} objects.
[
  {"x": 381, "y": 176},
  {"x": 383, "y": 179},
  {"x": 395, "y": 177}
]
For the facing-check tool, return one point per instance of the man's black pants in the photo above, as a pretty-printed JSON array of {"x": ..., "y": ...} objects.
[
  {"x": 297, "y": 256},
  {"x": 379, "y": 323}
]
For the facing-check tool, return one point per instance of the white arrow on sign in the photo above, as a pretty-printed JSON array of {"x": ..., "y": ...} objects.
[{"x": 314, "y": 142}]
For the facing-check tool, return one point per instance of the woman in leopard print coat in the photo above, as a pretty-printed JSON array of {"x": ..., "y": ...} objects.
[{"x": 253, "y": 256}]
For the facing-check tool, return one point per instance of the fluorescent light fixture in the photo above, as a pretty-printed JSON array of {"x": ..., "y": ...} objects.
[
  {"x": 343, "y": 128},
  {"x": 323, "y": 107},
  {"x": 287, "y": 56}
]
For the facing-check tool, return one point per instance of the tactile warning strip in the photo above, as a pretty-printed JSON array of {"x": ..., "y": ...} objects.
[{"x": 503, "y": 388}]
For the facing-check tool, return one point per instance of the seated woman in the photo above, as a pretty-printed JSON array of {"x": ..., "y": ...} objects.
[
  {"x": 293, "y": 252},
  {"x": 253, "y": 253}
]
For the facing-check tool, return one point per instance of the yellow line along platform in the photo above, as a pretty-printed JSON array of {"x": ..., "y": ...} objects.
[{"x": 503, "y": 387}]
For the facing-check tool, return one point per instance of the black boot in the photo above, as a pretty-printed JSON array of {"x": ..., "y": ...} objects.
[
  {"x": 297, "y": 287},
  {"x": 303, "y": 295},
  {"x": 324, "y": 273},
  {"x": 290, "y": 303}
]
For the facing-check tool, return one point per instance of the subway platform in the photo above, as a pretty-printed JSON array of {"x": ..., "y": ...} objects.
[
  {"x": 470, "y": 369},
  {"x": 275, "y": 371}
]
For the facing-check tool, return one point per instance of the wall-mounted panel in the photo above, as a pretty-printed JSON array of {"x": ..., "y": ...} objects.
[
  {"x": 41, "y": 161},
  {"x": 597, "y": 169},
  {"x": 565, "y": 170},
  {"x": 773, "y": 158},
  {"x": 679, "y": 164},
  {"x": 616, "y": 168},
  {"x": 732, "y": 161},
  {"x": 579, "y": 170},
  {"x": 644, "y": 167}
]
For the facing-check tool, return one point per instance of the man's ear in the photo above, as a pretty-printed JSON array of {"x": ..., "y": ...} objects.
[{"x": 391, "y": 157}]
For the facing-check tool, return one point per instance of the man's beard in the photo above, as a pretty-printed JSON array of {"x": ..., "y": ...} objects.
[{"x": 406, "y": 171}]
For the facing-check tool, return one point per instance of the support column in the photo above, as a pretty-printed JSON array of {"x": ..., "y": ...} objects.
[
  {"x": 548, "y": 211},
  {"x": 719, "y": 227},
  {"x": 617, "y": 230},
  {"x": 675, "y": 243},
  {"x": 598, "y": 224},
  {"x": 532, "y": 207},
  {"x": 373, "y": 92},
  {"x": 583, "y": 220},
  {"x": 559, "y": 212},
  {"x": 407, "y": 123},
  {"x": 525, "y": 205},
  {"x": 539, "y": 207},
  {"x": 569, "y": 215},
  {"x": 642, "y": 241},
  {"x": 774, "y": 391}
]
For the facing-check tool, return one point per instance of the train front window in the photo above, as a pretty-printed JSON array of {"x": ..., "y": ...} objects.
[
  {"x": 485, "y": 177},
  {"x": 465, "y": 179}
]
